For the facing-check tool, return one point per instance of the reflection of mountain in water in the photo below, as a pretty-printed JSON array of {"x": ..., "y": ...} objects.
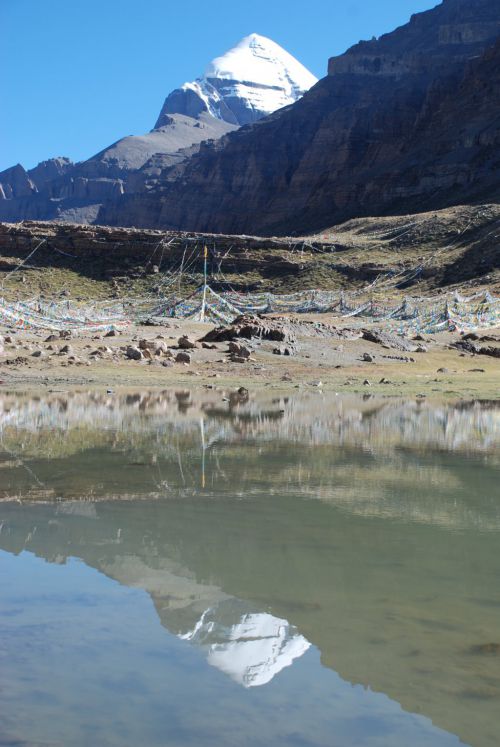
[
  {"x": 252, "y": 650},
  {"x": 249, "y": 645},
  {"x": 395, "y": 606},
  {"x": 374, "y": 568}
]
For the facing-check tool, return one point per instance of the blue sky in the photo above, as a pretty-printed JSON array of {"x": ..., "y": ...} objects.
[{"x": 79, "y": 74}]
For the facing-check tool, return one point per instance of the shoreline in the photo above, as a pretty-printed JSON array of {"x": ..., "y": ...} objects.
[{"x": 335, "y": 360}]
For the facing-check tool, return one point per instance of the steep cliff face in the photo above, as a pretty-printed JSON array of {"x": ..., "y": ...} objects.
[{"x": 402, "y": 123}]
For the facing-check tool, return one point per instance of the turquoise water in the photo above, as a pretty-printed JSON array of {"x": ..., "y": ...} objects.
[{"x": 191, "y": 570}]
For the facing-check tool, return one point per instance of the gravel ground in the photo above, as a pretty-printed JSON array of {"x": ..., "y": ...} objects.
[{"x": 333, "y": 358}]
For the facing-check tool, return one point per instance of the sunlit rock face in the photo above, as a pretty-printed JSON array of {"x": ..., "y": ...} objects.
[{"x": 250, "y": 647}]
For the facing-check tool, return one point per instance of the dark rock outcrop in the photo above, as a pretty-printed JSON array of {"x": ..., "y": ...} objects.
[
  {"x": 469, "y": 347},
  {"x": 17, "y": 182},
  {"x": 249, "y": 327},
  {"x": 404, "y": 123}
]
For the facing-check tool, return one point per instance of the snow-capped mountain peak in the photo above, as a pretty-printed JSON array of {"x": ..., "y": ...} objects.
[
  {"x": 250, "y": 81},
  {"x": 259, "y": 60}
]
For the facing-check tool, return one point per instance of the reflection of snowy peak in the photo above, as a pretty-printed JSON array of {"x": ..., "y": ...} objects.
[
  {"x": 252, "y": 650},
  {"x": 249, "y": 646},
  {"x": 253, "y": 79}
]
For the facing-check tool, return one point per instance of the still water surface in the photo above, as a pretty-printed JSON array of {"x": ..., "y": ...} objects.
[{"x": 182, "y": 569}]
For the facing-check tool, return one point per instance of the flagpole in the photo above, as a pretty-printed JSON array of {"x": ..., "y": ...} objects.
[
  {"x": 202, "y": 432},
  {"x": 203, "y": 302}
]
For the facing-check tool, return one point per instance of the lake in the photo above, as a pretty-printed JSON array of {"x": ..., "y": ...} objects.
[{"x": 209, "y": 569}]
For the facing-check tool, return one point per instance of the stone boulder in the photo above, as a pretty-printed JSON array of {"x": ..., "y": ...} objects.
[
  {"x": 185, "y": 343},
  {"x": 249, "y": 327},
  {"x": 389, "y": 340},
  {"x": 133, "y": 353},
  {"x": 240, "y": 351}
]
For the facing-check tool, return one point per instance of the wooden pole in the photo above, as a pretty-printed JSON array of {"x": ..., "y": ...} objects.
[{"x": 204, "y": 299}]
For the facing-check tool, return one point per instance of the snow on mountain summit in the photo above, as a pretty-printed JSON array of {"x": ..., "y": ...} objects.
[
  {"x": 259, "y": 60},
  {"x": 250, "y": 81}
]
